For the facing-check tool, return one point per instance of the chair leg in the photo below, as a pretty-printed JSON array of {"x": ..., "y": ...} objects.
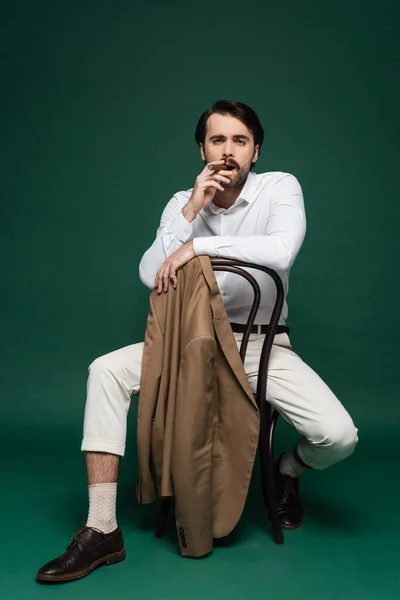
[
  {"x": 276, "y": 524},
  {"x": 162, "y": 517},
  {"x": 267, "y": 432}
]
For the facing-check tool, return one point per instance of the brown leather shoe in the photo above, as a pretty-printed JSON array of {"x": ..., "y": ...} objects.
[{"x": 89, "y": 549}]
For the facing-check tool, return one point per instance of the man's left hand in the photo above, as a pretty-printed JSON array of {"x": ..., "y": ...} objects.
[{"x": 167, "y": 271}]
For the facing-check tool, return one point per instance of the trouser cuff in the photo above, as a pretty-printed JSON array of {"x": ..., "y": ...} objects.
[
  {"x": 97, "y": 445},
  {"x": 299, "y": 459}
]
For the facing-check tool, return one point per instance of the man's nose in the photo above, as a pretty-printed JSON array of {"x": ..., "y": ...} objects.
[{"x": 228, "y": 149}]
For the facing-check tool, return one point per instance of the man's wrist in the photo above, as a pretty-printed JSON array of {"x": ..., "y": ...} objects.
[{"x": 189, "y": 212}]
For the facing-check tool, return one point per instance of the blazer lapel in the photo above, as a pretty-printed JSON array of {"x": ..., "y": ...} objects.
[{"x": 223, "y": 329}]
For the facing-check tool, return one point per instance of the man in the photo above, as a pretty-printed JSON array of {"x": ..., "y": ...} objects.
[{"x": 235, "y": 213}]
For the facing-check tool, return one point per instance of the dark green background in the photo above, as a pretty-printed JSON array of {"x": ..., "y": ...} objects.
[{"x": 99, "y": 103}]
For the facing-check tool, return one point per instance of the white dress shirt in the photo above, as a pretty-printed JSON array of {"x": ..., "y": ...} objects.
[{"x": 265, "y": 226}]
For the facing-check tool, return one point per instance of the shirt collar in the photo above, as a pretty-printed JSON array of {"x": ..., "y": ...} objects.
[
  {"x": 247, "y": 192},
  {"x": 246, "y": 195}
]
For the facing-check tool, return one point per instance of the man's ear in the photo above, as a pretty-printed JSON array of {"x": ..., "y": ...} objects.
[
  {"x": 255, "y": 155},
  {"x": 203, "y": 156}
]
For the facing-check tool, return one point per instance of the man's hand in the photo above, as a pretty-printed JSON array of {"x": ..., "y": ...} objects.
[
  {"x": 167, "y": 271},
  {"x": 205, "y": 188}
]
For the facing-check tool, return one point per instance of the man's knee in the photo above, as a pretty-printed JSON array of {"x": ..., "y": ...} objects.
[
  {"x": 341, "y": 438},
  {"x": 102, "y": 365},
  {"x": 346, "y": 440}
]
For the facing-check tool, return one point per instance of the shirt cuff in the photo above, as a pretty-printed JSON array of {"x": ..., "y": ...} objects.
[
  {"x": 181, "y": 228},
  {"x": 206, "y": 245}
]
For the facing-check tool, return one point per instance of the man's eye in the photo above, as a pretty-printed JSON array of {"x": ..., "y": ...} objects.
[{"x": 241, "y": 142}]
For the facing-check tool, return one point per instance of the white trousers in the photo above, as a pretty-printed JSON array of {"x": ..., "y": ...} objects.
[{"x": 328, "y": 434}]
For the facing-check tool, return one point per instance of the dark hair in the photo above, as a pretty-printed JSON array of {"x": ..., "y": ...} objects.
[{"x": 241, "y": 111}]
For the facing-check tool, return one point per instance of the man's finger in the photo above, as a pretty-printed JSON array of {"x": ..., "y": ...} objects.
[
  {"x": 172, "y": 275},
  {"x": 156, "y": 279},
  {"x": 159, "y": 276},
  {"x": 166, "y": 278},
  {"x": 160, "y": 282},
  {"x": 160, "y": 279}
]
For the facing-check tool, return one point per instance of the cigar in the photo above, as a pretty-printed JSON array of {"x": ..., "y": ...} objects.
[{"x": 220, "y": 167}]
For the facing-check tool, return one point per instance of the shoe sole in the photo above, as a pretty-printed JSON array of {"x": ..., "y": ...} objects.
[
  {"x": 109, "y": 559},
  {"x": 290, "y": 527}
]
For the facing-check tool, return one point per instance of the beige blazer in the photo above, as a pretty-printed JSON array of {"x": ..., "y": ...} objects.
[{"x": 198, "y": 422}]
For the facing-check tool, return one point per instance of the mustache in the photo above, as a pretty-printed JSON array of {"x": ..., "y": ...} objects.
[{"x": 232, "y": 164}]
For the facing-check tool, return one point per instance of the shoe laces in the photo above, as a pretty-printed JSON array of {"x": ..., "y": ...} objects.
[
  {"x": 289, "y": 489},
  {"x": 74, "y": 538}
]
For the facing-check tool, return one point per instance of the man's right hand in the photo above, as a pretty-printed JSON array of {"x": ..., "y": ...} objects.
[{"x": 207, "y": 183}]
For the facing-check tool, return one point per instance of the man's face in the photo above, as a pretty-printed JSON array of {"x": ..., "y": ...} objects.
[{"x": 229, "y": 139}]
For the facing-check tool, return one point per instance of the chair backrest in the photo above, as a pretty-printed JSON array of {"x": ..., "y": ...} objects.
[{"x": 236, "y": 266}]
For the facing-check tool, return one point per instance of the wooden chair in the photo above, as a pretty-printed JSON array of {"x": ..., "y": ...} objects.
[{"x": 268, "y": 418}]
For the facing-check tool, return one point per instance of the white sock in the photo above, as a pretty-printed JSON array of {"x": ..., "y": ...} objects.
[
  {"x": 290, "y": 466},
  {"x": 102, "y": 507}
]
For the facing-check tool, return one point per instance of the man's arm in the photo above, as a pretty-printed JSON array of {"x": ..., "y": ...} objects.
[
  {"x": 173, "y": 232},
  {"x": 175, "y": 227},
  {"x": 284, "y": 234}
]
